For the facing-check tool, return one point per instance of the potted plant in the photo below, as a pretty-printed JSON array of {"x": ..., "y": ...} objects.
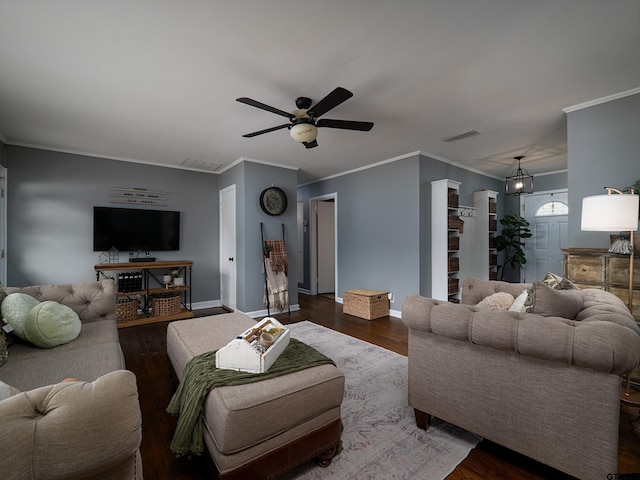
[{"x": 515, "y": 229}]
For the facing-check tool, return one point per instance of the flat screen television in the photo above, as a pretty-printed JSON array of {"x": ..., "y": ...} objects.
[{"x": 130, "y": 229}]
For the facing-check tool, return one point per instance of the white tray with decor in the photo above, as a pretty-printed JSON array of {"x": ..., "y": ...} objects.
[{"x": 255, "y": 349}]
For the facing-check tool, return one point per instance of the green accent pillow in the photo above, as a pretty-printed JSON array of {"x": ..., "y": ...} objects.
[
  {"x": 50, "y": 324},
  {"x": 15, "y": 309}
]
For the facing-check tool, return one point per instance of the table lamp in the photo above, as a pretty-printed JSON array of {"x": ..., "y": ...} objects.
[{"x": 616, "y": 211}]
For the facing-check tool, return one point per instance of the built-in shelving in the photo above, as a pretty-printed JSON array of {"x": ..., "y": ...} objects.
[
  {"x": 446, "y": 227},
  {"x": 486, "y": 228}
]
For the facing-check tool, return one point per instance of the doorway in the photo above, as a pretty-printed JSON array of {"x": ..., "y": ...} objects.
[
  {"x": 323, "y": 244},
  {"x": 3, "y": 225},
  {"x": 228, "y": 248},
  {"x": 548, "y": 217}
]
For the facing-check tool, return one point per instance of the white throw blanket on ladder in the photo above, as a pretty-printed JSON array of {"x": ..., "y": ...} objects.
[{"x": 277, "y": 294}]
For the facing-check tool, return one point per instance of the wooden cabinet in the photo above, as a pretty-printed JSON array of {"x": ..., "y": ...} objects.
[
  {"x": 445, "y": 240},
  {"x": 152, "y": 288},
  {"x": 598, "y": 268}
]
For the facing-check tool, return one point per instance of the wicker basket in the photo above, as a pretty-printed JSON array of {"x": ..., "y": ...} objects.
[
  {"x": 453, "y": 243},
  {"x": 454, "y": 222},
  {"x": 493, "y": 207},
  {"x": 453, "y": 264},
  {"x": 367, "y": 304},
  {"x": 453, "y": 286},
  {"x": 126, "y": 309},
  {"x": 452, "y": 200},
  {"x": 493, "y": 225},
  {"x": 164, "y": 305}
]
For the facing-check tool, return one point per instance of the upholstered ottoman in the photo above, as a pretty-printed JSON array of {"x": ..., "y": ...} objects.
[{"x": 261, "y": 429}]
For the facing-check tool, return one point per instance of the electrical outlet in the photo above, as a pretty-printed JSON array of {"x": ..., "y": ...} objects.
[{"x": 390, "y": 295}]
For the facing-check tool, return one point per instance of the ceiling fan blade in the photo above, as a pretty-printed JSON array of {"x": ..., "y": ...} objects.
[
  {"x": 332, "y": 100},
  {"x": 260, "y": 132},
  {"x": 312, "y": 144},
  {"x": 255, "y": 103},
  {"x": 345, "y": 124}
]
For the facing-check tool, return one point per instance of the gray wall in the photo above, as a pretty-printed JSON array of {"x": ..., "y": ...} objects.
[
  {"x": 378, "y": 215},
  {"x": 50, "y": 204},
  {"x": 384, "y": 223},
  {"x": 251, "y": 179},
  {"x": 603, "y": 146}
]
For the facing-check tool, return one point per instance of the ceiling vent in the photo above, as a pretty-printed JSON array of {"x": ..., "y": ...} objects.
[
  {"x": 460, "y": 136},
  {"x": 201, "y": 165}
]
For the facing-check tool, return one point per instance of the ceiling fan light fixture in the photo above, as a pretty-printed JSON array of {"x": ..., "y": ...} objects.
[{"x": 303, "y": 132}]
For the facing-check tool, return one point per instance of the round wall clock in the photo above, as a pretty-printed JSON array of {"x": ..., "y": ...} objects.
[{"x": 273, "y": 201}]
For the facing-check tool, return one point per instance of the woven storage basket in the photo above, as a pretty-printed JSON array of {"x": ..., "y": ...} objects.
[
  {"x": 493, "y": 207},
  {"x": 453, "y": 285},
  {"x": 493, "y": 225},
  {"x": 164, "y": 305},
  {"x": 454, "y": 243},
  {"x": 452, "y": 200},
  {"x": 126, "y": 309},
  {"x": 367, "y": 304},
  {"x": 454, "y": 264}
]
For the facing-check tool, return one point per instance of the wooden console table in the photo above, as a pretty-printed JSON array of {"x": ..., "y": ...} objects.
[
  {"x": 599, "y": 268},
  {"x": 152, "y": 285}
]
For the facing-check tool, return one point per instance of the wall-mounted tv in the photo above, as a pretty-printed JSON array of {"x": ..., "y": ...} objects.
[{"x": 130, "y": 229}]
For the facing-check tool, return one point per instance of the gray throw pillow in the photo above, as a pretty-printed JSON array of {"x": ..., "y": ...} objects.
[{"x": 549, "y": 302}]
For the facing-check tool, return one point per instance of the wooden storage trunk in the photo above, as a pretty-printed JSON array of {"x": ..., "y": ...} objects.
[{"x": 367, "y": 304}]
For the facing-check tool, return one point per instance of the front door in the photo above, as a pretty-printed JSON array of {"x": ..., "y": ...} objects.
[{"x": 547, "y": 214}]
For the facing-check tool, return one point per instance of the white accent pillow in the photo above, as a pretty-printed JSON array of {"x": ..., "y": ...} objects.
[
  {"x": 499, "y": 301},
  {"x": 518, "y": 303}
]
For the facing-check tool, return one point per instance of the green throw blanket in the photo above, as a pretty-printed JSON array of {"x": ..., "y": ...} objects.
[{"x": 201, "y": 376}]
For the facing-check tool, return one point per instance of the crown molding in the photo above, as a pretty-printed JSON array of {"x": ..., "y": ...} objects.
[{"x": 599, "y": 101}]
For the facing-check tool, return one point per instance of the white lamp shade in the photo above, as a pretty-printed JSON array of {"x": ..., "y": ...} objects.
[
  {"x": 304, "y": 132},
  {"x": 610, "y": 213}
]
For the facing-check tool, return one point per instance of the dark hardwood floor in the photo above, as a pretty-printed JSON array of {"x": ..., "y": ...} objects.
[{"x": 145, "y": 353}]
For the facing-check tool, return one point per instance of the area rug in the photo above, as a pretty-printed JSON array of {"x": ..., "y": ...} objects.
[{"x": 380, "y": 437}]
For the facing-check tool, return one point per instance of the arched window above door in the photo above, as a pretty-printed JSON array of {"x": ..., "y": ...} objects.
[{"x": 552, "y": 209}]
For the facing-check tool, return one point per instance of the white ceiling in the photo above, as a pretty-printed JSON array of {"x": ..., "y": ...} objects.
[{"x": 156, "y": 81}]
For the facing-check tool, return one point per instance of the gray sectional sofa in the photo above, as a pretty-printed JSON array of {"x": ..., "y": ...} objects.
[
  {"x": 85, "y": 429},
  {"x": 542, "y": 385}
]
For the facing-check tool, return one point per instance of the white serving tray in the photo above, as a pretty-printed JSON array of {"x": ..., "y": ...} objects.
[{"x": 240, "y": 353}]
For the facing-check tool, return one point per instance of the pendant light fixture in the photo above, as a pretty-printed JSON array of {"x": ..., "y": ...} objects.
[{"x": 519, "y": 183}]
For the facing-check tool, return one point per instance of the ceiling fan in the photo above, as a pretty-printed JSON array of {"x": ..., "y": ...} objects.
[{"x": 303, "y": 123}]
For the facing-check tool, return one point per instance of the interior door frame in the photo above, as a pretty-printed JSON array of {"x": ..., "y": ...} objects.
[
  {"x": 224, "y": 261},
  {"x": 313, "y": 241},
  {"x": 3, "y": 225}
]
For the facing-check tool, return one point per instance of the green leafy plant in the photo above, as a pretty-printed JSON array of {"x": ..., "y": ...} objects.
[{"x": 514, "y": 229}]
